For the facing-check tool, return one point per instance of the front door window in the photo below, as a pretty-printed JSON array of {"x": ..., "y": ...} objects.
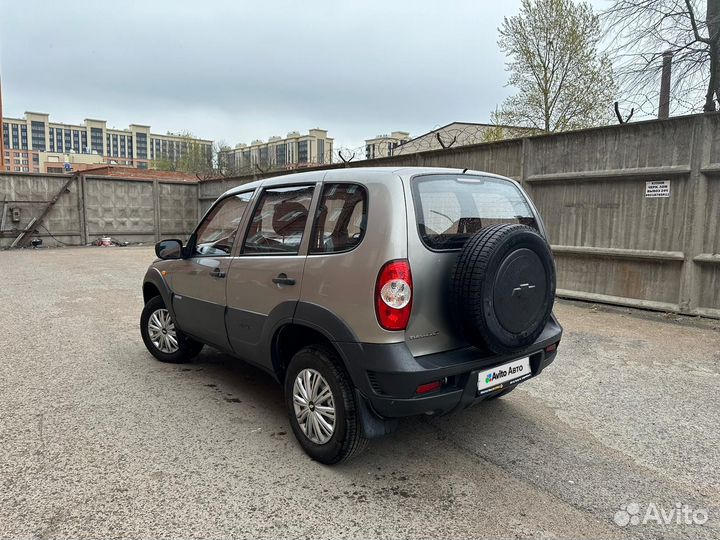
[{"x": 216, "y": 234}]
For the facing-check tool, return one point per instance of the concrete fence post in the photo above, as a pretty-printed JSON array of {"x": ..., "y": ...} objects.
[
  {"x": 525, "y": 165},
  {"x": 695, "y": 202},
  {"x": 156, "y": 209},
  {"x": 82, "y": 210}
]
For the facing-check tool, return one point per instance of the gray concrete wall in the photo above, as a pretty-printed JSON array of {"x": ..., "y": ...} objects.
[
  {"x": 612, "y": 244},
  {"x": 129, "y": 210},
  {"x": 31, "y": 193}
]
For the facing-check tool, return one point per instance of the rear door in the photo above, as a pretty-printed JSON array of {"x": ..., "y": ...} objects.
[
  {"x": 264, "y": 279},
  {"x": 198, "y": 282},
  {"x": 444, "y": 210}
]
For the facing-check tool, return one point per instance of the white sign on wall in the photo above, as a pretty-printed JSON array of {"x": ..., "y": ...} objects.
[{"x": 657, "y": 188}]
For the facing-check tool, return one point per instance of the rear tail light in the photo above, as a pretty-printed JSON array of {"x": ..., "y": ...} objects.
[
  {"x": 552, "y": 348},
  {"x": 393, "y": 295}
]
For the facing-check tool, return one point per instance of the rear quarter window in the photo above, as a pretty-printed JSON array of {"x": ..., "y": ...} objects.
[
  {"x": 340, "y": 219},
  {"x": 451, "y": 208}
]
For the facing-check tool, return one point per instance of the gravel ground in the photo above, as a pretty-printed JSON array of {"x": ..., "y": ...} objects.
[{"x": 100, "y": 440}]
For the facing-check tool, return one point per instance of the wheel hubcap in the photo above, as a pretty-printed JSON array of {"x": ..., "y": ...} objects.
[
  {"x": 161, "y": 329},
  {"x": 314, "y": 406}
]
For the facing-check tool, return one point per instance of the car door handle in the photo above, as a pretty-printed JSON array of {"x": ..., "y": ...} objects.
[
  {"x": 217, "y": 273},
  {"x": 282, "y": 279}
]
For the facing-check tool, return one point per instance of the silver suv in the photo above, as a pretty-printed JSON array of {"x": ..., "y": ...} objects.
[{"x": 369, "y": 293}]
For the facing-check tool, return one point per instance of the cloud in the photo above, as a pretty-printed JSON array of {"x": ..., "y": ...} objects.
[{"x": 237, "y": 71}]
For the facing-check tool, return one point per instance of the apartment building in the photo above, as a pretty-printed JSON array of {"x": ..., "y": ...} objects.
[
  {"x": 33, "y": 142},
  {"x": 384, "y": 145},
  {"x": 292, "y": 152}
]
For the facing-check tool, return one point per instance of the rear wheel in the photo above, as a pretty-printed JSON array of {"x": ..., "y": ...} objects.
[
  {"x": 164, "y": 341},
  {"x": 321, "y": 406}
]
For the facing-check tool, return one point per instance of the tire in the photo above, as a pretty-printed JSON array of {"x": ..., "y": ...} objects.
[
  {"x": 346, "y": 439},
  {"x": 503, "y": 287},
  {"x": 187, "y": 348}
]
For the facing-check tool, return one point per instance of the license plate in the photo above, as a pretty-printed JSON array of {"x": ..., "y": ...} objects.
[{"x": 499, "y": 377}]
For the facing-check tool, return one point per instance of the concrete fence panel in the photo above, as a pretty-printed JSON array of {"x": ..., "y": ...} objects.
[
  {"x": 613, "y": 241},
  {"x": 178, "y": 205},
  {"x": 29, "y": 194},
  {"x": 124, "y": 209}
]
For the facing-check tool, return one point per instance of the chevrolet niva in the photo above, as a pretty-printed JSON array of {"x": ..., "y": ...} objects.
[{"x": 371, "y": 294}]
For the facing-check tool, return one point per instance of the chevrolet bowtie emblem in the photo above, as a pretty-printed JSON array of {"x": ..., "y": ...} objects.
[{"x": 522, "y": 290}]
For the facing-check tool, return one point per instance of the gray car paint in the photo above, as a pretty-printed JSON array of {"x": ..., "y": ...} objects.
[
  {"x": 341, "y": 283},
  {"x": 430, "y": 328},
  {"x": 344, "y": 283}
]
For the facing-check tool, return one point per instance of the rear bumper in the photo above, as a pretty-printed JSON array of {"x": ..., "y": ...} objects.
[{"x": 387, "y": 375}]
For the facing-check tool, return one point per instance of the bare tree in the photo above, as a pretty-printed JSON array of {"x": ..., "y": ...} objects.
[
  {"x": 641, "y": 31},
  {"x": 563, "y": 82}
]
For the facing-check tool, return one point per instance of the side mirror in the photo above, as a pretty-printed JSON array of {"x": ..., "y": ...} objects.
[{"x": 169, "y": 249}]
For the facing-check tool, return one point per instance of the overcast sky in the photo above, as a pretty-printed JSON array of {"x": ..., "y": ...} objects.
[{"x": 236, "y": 71}]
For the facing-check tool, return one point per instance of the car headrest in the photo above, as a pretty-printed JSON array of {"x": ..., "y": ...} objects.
[{"x": 289, "y": 218}]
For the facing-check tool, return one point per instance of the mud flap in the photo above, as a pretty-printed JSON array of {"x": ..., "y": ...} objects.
[{"x": 373, "y": 426}]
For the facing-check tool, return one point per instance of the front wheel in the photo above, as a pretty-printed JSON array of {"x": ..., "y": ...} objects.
[
  {"x": 321, "y": 406},
  {"x": 162, "y": 339}
]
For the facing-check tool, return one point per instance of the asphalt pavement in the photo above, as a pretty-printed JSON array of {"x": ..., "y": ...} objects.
[{"x": 100, "y": 440}]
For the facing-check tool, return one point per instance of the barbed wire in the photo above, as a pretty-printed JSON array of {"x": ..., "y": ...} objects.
[
  {"x": 439, "y": 138},
  {"x": 243, "y": 162}
]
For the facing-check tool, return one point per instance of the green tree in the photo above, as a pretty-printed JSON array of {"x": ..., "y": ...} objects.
[
  {"x": 497, "y": 132},
  {"x": 563, "y": 82},
  {"x": 195, "y": 158}
]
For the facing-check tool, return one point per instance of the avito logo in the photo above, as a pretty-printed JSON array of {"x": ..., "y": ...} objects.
[
  {"x": 495, "y": 375},
  {"x": 500, "y": 373}
]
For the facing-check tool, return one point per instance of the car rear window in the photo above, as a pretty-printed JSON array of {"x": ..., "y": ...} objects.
[{"x": 451, "y": 208}]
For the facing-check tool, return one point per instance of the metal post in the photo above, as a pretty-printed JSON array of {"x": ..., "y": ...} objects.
[{"x": 664, "y": 108}]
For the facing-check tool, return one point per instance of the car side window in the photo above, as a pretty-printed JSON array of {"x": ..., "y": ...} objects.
[
  {"x": 216, "y": 234},
  {"x": 340, "y": 219},
  {"x": 278, "y": 223}
]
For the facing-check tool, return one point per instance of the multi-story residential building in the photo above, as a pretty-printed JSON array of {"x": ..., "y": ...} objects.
[
  {"x": 292, "y": 152},
  {"x": 384, "y": 145},
  {"x": 33, "y": 141}
]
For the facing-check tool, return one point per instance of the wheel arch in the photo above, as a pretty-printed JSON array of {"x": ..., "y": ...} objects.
[
  {"x": 155, "y": 285},
  {"x": 311, "y": 324}
]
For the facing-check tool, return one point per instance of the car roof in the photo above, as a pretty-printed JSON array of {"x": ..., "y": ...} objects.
[{"x": 379, "y": 174}]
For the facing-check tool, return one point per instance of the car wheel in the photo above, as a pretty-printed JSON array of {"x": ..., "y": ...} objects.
[
  {"x": 321, "y": 406},
  {"x": 164, "y": 341}
]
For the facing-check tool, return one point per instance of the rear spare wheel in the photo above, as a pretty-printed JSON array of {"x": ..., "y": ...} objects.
[{"x": 503, "y": 287}]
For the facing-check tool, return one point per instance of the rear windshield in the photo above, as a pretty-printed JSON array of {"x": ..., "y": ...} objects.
[{"x": 451, "y": 208}]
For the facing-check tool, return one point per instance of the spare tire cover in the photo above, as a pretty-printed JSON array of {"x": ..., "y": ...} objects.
[{"x": 503, "y": 287}]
